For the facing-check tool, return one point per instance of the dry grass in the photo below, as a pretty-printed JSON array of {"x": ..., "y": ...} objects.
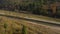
[
  {"x": 14, "y": 26},
  {"x": 29, "y": 15},
  {"x": 11, "y": 26}
]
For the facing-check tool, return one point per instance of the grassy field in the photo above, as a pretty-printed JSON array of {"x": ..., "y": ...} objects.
[
  {"x": 28, "y": 15},
  {"x": 8, "y": 26},
  {"x": 14, "y": 26}
]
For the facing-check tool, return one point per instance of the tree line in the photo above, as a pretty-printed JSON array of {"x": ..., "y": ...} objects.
[{"x": 34, "y": 8}]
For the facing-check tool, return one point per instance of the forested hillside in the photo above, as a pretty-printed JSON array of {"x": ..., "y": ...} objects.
[{"x": 39, "y": 7}]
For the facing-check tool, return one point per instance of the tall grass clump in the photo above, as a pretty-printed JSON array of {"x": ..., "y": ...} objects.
[
  {"x": 5, "y": 26},
  {"x": 24, "y": 30}
]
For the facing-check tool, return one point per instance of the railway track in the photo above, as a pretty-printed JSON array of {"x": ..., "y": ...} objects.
[{"x": 33, "y": 20}]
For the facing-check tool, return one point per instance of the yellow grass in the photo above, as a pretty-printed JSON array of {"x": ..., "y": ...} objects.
[
  {"x": 11, "y": 26},
  {"x": 15, "y": 26},
  {"x": 28, "y": 15}
]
